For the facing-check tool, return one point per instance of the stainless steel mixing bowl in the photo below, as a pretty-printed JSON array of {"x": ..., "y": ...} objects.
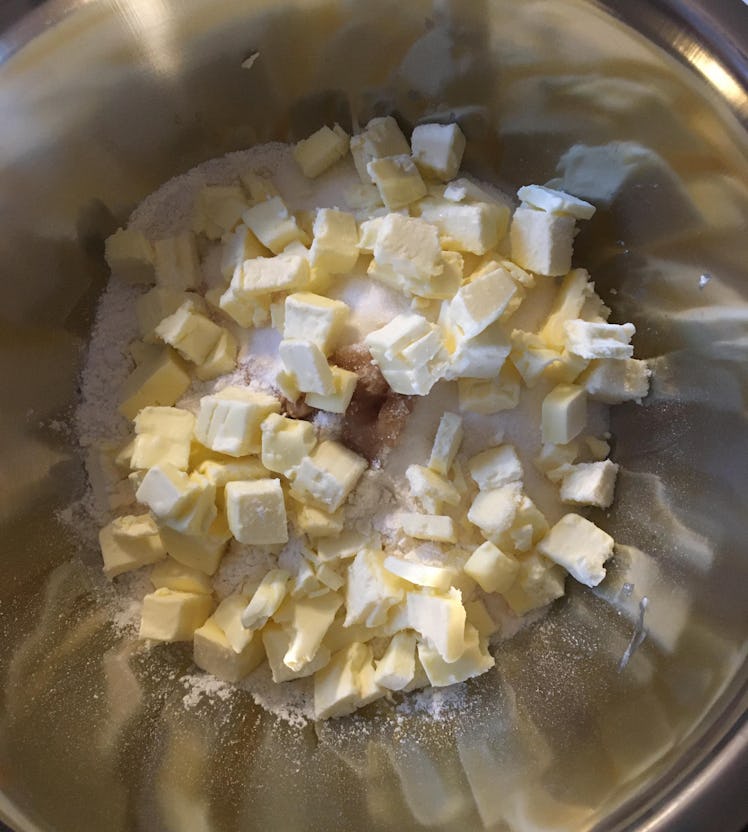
[{"x": 101, "y": 102}]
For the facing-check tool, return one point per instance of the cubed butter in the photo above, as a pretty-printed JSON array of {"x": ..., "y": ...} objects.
[
  {"x": 486, "y": 396},
  {"x": 397, "y": 667},
  {"x": 616, "y": 380},
  {"x": 539, "y": 581},
  {"x": 580, "y": 547},
  {"x": 481, "y": 301},
  {"x": 380, "y": 138},
  {"x": 437, "y": 149},
  {"x": 345, "y": 383},
  {"x": 277, "y": 640},
  {"x": 420, "y": 574},
  {"x": 371, "y": 590},
  {"x": 437, "y": 527},
  {"x": 493, "y": 511},
  {"x": 130, "y": 542},
  {"x": 473, "y": 660},
  {"x": 173, "y": 616},
  {"x": 310, "y": 621},
  {"x": 229, "y": 422},
  {"x": 590, "y": 484},
  {"x": 495, "y": 467},
  {"x": 409, "y": 246},
  {"x": 314, "y": 318},
  {"x": 475, "y": 228},
  {"x": 555, "y": 202},
  {"x": 171, "y": 574},
  {"x": 129, "y": 255},
  {"x": 285, "y": 443},
  {"x": 440, "y": 620},
  {"x": 542, "y": 242},
  {"x": 317, "y": 523},
  {"x": 184, "y": 503},
  {"x": 430, "y": 488},
  {"x": 213, "y": 653},
  {"x": 203, "y": 551},
  {"x": 161, "y": 380},
  {"x": 306, "y": 362},
  {"x": 218, "y": 210},
  {"x": 447, "y": 442},
  {"x": 266, "y": 599},
  {"x": 336, "y": 686},
  {"x": 491, "y": 569},
  {"x": 599, "y": 340},
  {"x": 256, "y": 512},
  {"x": 327, "y": 476},
  {"x": 162, "y": 434},
  {"x": 193, "y": 336},
  {"x": 563, "y": 413},
  {"x": 176, "y": 262},
  {"x": 335, "y": 245},
  {"x": 273, "y": 225},
  {"x": 398, "y": 180},
  {"x": 321, "y": 150}
]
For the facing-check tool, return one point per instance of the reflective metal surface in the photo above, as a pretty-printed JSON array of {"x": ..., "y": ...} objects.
[{"x": 103, "y": 101}]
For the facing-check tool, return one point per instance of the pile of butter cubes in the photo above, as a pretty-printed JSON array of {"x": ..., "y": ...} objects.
[{"x": 364, "y": 616}]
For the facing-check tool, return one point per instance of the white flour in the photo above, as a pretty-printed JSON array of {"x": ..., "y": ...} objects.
[{"x": 381, "y": 492}]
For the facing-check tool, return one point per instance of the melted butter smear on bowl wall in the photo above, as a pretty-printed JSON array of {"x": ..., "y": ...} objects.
[{"x": 119, "y": 97}]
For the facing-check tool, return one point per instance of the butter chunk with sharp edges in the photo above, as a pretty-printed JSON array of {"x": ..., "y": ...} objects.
[
  {"x": 542, "y": 242},
  {"x": 273, "y": 225},
  {"x": 203, "y": 551},
  {"x": 570, "y": 299},
  {"x": 599, "y": 340},
  {"x": 580, "y": 547},
  {"x": 483, "y": 395},
  {"x": 447, "y": 442},
  {"x": 590, "y": 484},
  {"x": 371, "y": 590},
  {"x": 317, "y": 523},
  {"x": 495, "y": 467},
  {"x": 328, "y": 475},
  {"x": 555, "y": 202},
  {"x": 256, "y": 511},
  {"x": 345, "y": 383},
  {"x": 345, "y": 545},
  {"x": 244, "y": 307},
  {"x": 555, "y": 460},
  {"x": 491, "y": 569},
  {"x": 213, "y": 653},
  {"x": 237, "y": 247},
  {"x": 218, "y": 210},
  {"x": 314, "y": 318},
  {"x": 161, "y": 380},
  {"x": 481, "y": 356},
  {"x": 473, "y": 661},
  {"x": 387, "y": 343},
  {"x": 321, "y": 150},
  {"x": 162, "y": 434},
  {"x": 409, "y": 246},
  {"x": 380, "y": 138},
  {"x": 481, "y": 301},
  {"x": 311, "y": 619},
  {"x": 420, "y": 574},
  {"x": 430, "y": 488},
  {"x": 221, "y": 471},
  {"x": 440, "y": 620},
  {"x": 277, "y": 640},
  {"x": 475, "y": 228},
  {"x": 228, "y": 616},
  {"x": 493, "y": 511},
  {"x": 176, "y": 261},
  {"x": 221, "y": 359},
  {"x": 285, "y": 442},
  {"x": 563, "y": 413},
  {"x": 528, "y": 528},
  {"x": 437, "y": 527},
  {"x": 539, "y": 581},
  {"x": 229, "y": 421},
  {"x": 130, "y": 542},
  {"x": 335, "y": 245},
  {"x": 129, "y": 255},
  {"x": 613, "y": 381},
  {"x": 306, "y": 362},
  {"x": 185, "y": 503},
  {"x": 397, "y": 667},
  {"x": 337, "y": 688},
  {"x": 172, "y": 574},
  {"x": 531, "y": 356},
  {"x": 398, "y": 180},
  {"x": 286, "y": 272},
  {"x": 437, "y": 149},
  {"x": 266, "y": 599},
  {"x": 480, "y": 618},
  {"x": 193, "y": 336},
  {"x": 158, "y": 303},
  {"x": 173, "y": 616}
]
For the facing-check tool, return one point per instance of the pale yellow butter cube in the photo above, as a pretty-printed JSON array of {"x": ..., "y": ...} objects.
[
  {"x": 420, "y": 574},
  {"x": 285, "y": 442},
  {"x": 327, "y": 575},
  {"x": 437, "y": 527},
  {"x": 368, "y": 689},
  {"x": 481, "y": 301},
  {"x": 447, "y": 442},
  {"x": 345, "y": 383},
  {"x": 321, "y": 150},
  {"x": 173, "y": 616},
  {"x": 487, "y": 396},
  {"x": 371, "y": 591},
  {"x": 590, "y": 484},
  {"x": 176, "y": 261},
  {"x": 142, "y": 353},
  {"x": 229, "y": 421},
  {"x": 213, "y": 654},
  {"x": 161, "y": 380},
  {"x": 616, "y": 380},
  {"x": 539, "y": 582},
  {"x": 580, "y": 547},
  {"x": 493, "y": 511},
  {"x": 237, "y": 247},
  {"x": 129, "y": 255},
  {"x": 345, "y": 545},
  {"x": 317, "y": 523},
  {"x": 306, "y": 362},
  {"x": 532, "y": 357},
  {"x": 368, "y": 233},
  {"x": 397, "y": 667},
  {"x": 380, "y": 138},
  {"x": 247, "y": 308},
  {"x": 286, "y": 385},
  {"x": 170, "y": 574},
  {"x": 256, "y": 511},
  {"x": 158, "y": 303},
  {"x": 203, "y": 551},
  {"x": 130, "y": 542},
  {"x": 491, "y": 569},
  {"x": 267, "y": 598},
  {"x": 542, "y": 242},
  {"x": 495, "y": 467},
  {"x": 336, "y": 686},
  {"x": 480, "y": 618},
  {"x": 555, "y": 202},
  {"x": 328, "y": 475},
  {"x": 398, "y": 180},
  {"x": 528, "y": 528},
  {"x": 555, "y": 460},
  {"x": 310, "y": 621},
  {"x": 595, "y": 340},
  {"x": 440, "y": 620},
  {"x": 314, "y": 318},
  {"x": 277, "y": 640},
  {"x": 430, "y": 488},
  {"x": 475, "y": 228},
  {"x": 258, "y": 187},
  {"x": 228, "y": 616},
  {"x": 564, "y": 413},
  {"x": 221, "y": 359},
  {"x": 438, "y": 149},
  {"x": 192, "y": 335},
  {"x": 185, "y": 503},
  {"x": 162, "y": 434},
  {"x": 480, "y": 356},
  {"x": 410, "y": 247},
  {"x": 218, "y": 210},
  {"x": 473, "y": 661},
  {"x": 273, "y": 225},
  {"x": 335, "y": 246},
  {"x": 575, "y": 291},
  {"x": 221, "y": 471}
]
